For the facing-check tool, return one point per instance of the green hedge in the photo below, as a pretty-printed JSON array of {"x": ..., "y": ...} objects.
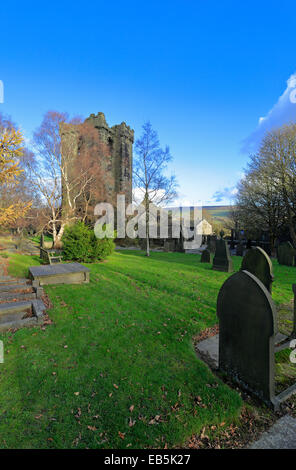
[{"x": 81, "y": 244}]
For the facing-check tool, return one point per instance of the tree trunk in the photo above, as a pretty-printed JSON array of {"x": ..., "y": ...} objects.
[
  {"x": 54, "y": 233},
  {"x": 57, "y": 243},
  {"x": 271, "y": 241},
  {"x": 291, "y": 227}
]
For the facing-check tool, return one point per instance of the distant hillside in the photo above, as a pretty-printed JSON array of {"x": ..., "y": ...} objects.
[
  {"x": 218, "y": 212},
  {"x": 216, "y": 215}
]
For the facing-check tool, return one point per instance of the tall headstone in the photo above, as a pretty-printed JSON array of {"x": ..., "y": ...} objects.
[
  {"x": 212, "y": 243},
  {"x": 222, "y": 260},
  {"x": 257, "y": 262},
  {"x": 247, "y": 328},
  {"x": 293, "y": 335},
  {"x": 205, "y": 256},
  {"x": 42, "y": 240},
  {"x": 239, "y": 249},
  {"x": 286, "y": 254}
]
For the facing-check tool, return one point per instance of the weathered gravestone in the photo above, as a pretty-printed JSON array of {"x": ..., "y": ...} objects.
[
  {"x": 212, "y": 243},
  {"x": 247, "y": 328},
  {"x": 249, "y": 244},
  {"x": 239, "y": 249},
  {"x": 293, "y": 335},
  {"x": 257, "y": 262},
  {"x": 286, "y": 253},
  {"x": 205, "y": 256},
  {"x": 222, "y": 260}
]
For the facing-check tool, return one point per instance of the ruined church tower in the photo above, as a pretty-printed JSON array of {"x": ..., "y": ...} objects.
[
  {"x": 118, "y": 169},
  {"x": 119, "y": 139}
]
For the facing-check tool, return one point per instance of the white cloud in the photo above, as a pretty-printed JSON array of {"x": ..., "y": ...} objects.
[
  {"x": 226, "y": 194},
  {"x": 283, "y": 112}
]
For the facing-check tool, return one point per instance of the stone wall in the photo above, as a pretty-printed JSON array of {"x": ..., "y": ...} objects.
[{"x": 120, "y": 140}]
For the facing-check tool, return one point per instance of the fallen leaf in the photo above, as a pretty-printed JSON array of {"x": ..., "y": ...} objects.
[
  {"x": 131, "y": 422},
  {"x": 92, "y": 428}
]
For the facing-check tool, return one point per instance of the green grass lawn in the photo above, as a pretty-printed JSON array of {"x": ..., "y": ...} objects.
[
  {"x": 117, "y": 368},
  {"x": 36, "y": 239}
]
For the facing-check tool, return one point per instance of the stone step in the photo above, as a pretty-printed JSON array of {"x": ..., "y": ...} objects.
[
  {"x": 13, "y": 286},
  {"x": 33, "y": 321},
  {"x": 15, "y": 307},
  {"x": 11, "y": 296},
  {"x": 16, "y": 280},
  {"x": 15, "y": 316},
  {"x": 20, "y": 303},
  {"x": 19, "y": 314}
]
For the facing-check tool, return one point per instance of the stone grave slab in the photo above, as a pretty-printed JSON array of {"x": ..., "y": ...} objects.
[
  {"x": 208, "y": 350},
  {"x": 282, "y": 435},
  {"x": 68, "y": 273}
]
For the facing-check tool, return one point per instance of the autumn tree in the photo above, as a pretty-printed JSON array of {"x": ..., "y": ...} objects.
[
  {"x": 150, "y": 179},
  {"x": 11, "y": 150}
]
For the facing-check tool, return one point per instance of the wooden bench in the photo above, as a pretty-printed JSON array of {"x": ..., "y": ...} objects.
[{"x": 50, "y": 256}]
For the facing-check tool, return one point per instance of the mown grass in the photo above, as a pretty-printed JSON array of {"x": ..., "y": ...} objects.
[
  {"x": 117, "y": 368},
  {"x": 36, "y": 239},
  {"x": 19, "y": 264}
]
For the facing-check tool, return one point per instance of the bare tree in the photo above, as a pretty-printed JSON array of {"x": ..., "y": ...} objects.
[
  {"x": 150, "y": 165},
  {"x": 259, "y": 201},
  {"x": 278, "y": 154},
  {"x": 266, "y": 197},
  {"x": 63, "y": 170}
]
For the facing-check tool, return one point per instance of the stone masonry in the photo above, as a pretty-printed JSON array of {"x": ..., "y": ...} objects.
[{"x": 118, "y": 167}]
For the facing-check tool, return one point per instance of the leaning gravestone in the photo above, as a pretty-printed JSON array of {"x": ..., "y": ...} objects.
[
  {"x": 286, "y": 253},
  {"x": 205, "y": 256},
  {"x": 257, "y": 262},
  {"x": 247, "y": 328},
  {"x": 222, "y": 260}
]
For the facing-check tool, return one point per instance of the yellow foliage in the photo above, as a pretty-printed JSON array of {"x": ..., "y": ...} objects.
[{"x": 10, "y": 150}]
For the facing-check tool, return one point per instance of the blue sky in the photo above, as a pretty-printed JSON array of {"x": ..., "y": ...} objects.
[{"x": 202, "y": 72}]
